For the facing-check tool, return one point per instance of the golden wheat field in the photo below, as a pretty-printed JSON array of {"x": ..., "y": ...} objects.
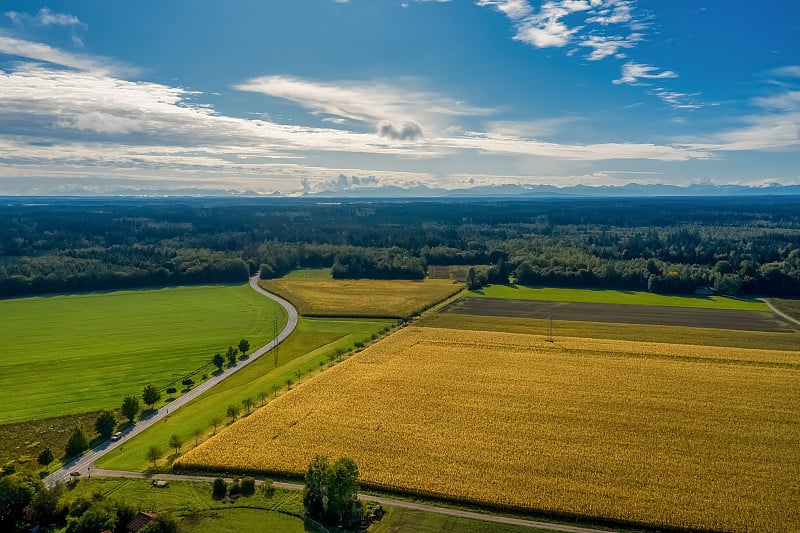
[
  {"x": 679, "y": 435},
  {"x": 362, "y": 297}
]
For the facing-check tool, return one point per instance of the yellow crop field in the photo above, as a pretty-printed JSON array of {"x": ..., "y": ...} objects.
[
  {"x": 662, "y": 434},
  {"x": 362, "y": 297}
]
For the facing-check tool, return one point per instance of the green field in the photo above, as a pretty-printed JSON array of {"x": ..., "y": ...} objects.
[
  {"x": 629, "y": 332},
  {"x": 312, "y": 343},
  {"x": 79, "y": 353},
  {"x": 309, "y": 273},
  {"x": 519, "y": 292}
]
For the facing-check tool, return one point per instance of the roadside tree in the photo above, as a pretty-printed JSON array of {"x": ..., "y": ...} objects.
[
  {"x": 175, "y": 442},
  {"x": 218, "y": 361},
  {"x": 244, "y": 346},
  {"x": 77, "y": 443},
  {"x": 150, "y": 395},
  {"x": 105, "y": 424},
  {"x": 231, "y": 355},
  {"x": 130, "y": 407}
]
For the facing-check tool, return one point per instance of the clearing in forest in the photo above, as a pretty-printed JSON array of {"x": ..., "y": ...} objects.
[
  {"x": 661, "y": 434},
  {"x": 361, "y": 297}
]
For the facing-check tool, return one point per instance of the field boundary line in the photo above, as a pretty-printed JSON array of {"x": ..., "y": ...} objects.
[
  {"x": 458, "y": 513},
  {"x": 83, "y": 464},
  {"x": 779, "y": 312}
]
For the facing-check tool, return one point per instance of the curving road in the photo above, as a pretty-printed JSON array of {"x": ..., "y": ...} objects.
[{"x": 83, "y": 464}]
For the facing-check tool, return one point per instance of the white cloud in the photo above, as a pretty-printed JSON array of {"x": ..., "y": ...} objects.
[
  {"x": 372, "y": 103},
  {"x": 44, "y": 17},
  {"x": 602, "y": 46},
  {"x": 677, "y": 100},
  {"x": 789, "y": 71},
  {"x": 513, "y": 9},
  {"x": 633, "y": 72},
  {"x": 777, "y": 127},
  {"x": 42, "y": 52}
]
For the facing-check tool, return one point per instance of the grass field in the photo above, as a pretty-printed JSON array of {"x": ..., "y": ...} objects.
[
  {"x": 314, "y": 341},
  {"x": 679, "y": 435},
  {"x": 78, "y": 353},
  {"x": 790, "y": 307},
  {"x": 628, "y": 332},
  {"x": 519, "y": 292},
  {"x": 362, "y": 297},
  {"x": 309, "y": 273}
]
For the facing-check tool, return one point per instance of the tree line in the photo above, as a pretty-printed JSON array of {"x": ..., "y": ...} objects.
[{"x": 737, "y": 246}]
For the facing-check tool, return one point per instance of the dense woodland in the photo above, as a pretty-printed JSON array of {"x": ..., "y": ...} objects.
[{"x": 667, "y": 245}]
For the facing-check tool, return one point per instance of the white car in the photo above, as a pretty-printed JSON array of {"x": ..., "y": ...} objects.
[{"x": 116, "y": 436}]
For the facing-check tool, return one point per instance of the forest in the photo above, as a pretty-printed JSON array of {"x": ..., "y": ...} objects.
[{"x": 667, "y": 245}]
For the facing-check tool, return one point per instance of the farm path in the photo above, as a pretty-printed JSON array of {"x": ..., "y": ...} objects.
[
  {"x": 549, "y": 526},
  {"x": 779, "y": 312},
  {"x": 83, "y": 464}
]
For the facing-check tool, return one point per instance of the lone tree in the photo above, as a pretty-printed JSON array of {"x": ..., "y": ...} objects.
[
  {"x": 218, "y": 361},
  {"x": 233, "y": 412},
  {"x": 331, "y": 493},
  {"x": 216, "y": 421},
  {"x": 45, "y": 456},
  {"x": 244, "y": 346},
  {"x": 231, "y": 355},
  {"x": 105, "y": 424},
  {"x": 175, "y": 442},
  {"x": 130, "y": 407},
  {"x": 150, "y": 395},
  {"x": 153, "y": 453},
  {"x": 77, "y": 443}
]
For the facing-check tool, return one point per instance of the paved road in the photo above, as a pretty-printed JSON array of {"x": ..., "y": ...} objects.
[
  {"x": 549, "y": 526},
  {"x": 83, "y": 464}
]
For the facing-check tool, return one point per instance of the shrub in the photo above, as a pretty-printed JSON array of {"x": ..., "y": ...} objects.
[
  {"x": 219, "y": 489},
  {"x": 235, "y": 489},
  {"x": 248, "y": 486},
  {"x": 45, "y": 457},
  {"x": 171, "y": 390}
]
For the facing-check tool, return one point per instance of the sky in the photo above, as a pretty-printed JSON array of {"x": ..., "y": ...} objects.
[{"x": 298, "y": 96}]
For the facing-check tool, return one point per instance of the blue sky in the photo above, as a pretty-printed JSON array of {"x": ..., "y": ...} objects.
[{"x": 103, "y": 97}]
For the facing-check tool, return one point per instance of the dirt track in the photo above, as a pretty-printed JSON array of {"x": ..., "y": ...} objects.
[{"x": 623, "y": 314}]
